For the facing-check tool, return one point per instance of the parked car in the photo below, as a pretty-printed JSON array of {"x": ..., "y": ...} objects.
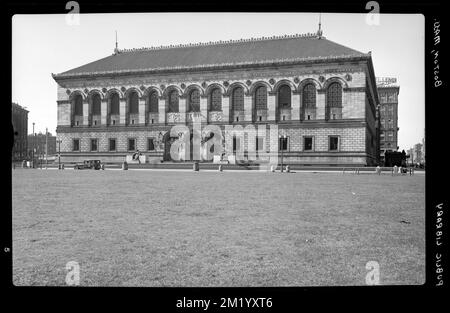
[{"x": 89, "y": 164}]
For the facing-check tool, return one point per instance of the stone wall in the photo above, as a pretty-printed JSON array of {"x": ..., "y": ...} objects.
[{"x": 352, "y": 144}]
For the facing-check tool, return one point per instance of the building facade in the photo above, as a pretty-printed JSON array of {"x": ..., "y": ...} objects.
[
  {"x": 19, "y": 117},
  {"x": 321, "y": 95},
  {"x": 416, "y": 155},
  {"x": 388, "y": 93}
]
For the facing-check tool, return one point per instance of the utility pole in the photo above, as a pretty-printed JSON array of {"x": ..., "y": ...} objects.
[
  {"x": 34, "y": 145},
  {"x": 46, "y": 147},
  {"x": 59, "y": 153}
]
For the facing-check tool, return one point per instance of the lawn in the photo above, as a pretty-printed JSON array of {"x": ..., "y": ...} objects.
[{"x": 174, "y": 228}]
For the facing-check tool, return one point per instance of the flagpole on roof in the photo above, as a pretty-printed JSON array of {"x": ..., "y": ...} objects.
[
  {"x": 116, "y": 50},
  {"x": 319, "y": 32}
]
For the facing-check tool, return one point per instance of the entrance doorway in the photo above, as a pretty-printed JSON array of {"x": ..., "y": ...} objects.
[
  {"x": 187, "y": 157},
  {"x": 168, "y": 141}
]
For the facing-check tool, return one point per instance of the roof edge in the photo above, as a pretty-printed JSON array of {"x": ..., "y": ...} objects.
[
  {"x": 215, "y": 66},
  {"x": 222, "y": 42}
]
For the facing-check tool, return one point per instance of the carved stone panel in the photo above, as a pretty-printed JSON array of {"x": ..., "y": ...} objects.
[
  {"x": 173, "y": 117},
  {"x": 216, "y": 116}
]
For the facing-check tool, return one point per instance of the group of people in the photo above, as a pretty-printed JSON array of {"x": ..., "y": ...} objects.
[
  {"x": 402, "y": 170},
  {"x": 397, "y": 170}
]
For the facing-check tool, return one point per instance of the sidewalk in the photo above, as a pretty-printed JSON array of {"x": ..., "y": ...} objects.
[{"x": 254, "y": 170}]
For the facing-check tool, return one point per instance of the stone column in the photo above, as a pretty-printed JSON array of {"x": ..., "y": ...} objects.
[
  {"x": 85, "y": 112},
  {"x": 320, "y": 105},
  {"x": 204, "y": 108},
  {"x": 103, "y": 111},
  {"x": 226, "y": 108},
  {"x": 122, "y": 111},
  {"x": 182, "y": 109},
  {"x": 248, "y": 108},
  {"x": 271, "y": 107},
  {"x": 162, "y": 110},
  {"x": 142, "y": 111},
  {"x": 64, "y": 113},
  {"x": 295, "y": 114}
]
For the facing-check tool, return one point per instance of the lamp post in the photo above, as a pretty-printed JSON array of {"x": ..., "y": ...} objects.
[
  {"x": 59, "y": 153},
  {"x": 39, "y": 150},
  {"x": 282, "y": 148}
]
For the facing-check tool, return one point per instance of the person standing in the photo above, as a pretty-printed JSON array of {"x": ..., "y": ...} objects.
[{"x": 138, "y": 154}]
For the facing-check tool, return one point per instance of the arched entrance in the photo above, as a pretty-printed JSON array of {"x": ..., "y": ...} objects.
[
  {"x": 187, "y": 157},
  {"x": 168, "y": 141}
]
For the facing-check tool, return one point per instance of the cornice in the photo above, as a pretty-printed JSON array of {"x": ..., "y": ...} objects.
[{"x": 343, "y": 123}]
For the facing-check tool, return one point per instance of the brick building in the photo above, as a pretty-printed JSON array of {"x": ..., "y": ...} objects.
[
  {"x": 320, "y": 94},
  {"x": 388, "y": 92},
  {"x": 19, "y": 117}
]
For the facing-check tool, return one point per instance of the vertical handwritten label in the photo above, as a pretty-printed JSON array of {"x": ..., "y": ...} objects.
[
  {"x": 435, "y": 53},
  {"x": 439, "y": 236}
]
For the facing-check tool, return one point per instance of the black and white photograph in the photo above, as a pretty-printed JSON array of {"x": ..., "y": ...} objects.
[{"x": 218, "y": 149}]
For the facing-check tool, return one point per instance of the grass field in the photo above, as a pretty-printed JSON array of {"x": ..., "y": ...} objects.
[{"x": 169, "y": 228}]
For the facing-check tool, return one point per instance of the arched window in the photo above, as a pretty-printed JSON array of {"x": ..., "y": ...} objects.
[
  {"x": 261, "y": 98},
  {"x": 309, "y": 96},
  {"x": 173, "y": 101},
  {"x": 96, "y": 104},
  {"x": 284, "y": 97},
  {"x": 194, "y": 101},
  {"x": 215, "y": 100},
  {"x": 238, "y": 99},
  {"x": 78, "y": 103},
  {"x": 334, "y": 95},
  {"x": 153, "y": 102},
  {"x": 114, "y": 103},
  {"x": 134, "y": 102}
]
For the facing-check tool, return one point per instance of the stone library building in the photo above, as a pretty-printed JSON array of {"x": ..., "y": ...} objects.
[{"x": 322, "y": 96}]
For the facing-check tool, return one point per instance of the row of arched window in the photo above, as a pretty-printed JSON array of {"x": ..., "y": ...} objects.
[{"x": 309, "y": 92}]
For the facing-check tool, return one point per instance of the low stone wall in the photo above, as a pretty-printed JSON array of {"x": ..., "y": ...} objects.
[{"x": 103, "y": 158}]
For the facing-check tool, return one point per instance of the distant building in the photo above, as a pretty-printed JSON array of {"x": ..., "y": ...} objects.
[
  {"x": 388, "y": 94},
  {"x": 416, "y": 154},
  {"x": 37, "y": 142},
  {"x": 19, "y": 116},
  {"x": 423, "y": 150},
  {"x": 410, "y": 153}
]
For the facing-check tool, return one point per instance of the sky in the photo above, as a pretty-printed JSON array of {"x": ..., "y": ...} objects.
[{"x": 45, "y": 44}]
